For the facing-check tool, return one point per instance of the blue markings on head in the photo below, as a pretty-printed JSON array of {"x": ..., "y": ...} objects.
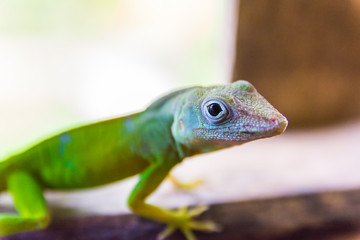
[{"x": 64, "y": 140}]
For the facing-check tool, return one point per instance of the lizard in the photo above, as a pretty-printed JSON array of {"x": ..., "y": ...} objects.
[{"x": 150, "y": 143}]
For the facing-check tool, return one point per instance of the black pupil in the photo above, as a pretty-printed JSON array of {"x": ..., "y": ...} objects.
[{"x": 214, "y": 109}]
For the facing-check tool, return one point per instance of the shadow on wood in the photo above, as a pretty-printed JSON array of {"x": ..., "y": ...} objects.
[{"x": 319, "y": 216}]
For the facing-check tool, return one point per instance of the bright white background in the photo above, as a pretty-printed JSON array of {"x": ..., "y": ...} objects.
[{"x": 66, "y": 62}]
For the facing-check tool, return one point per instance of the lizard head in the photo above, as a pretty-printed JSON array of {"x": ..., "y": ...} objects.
[{"x": 216, "y": 117}]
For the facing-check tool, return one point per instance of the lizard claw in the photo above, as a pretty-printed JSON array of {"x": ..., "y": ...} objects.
[
  {"x": 166, "y": 232},
  {"x": 198, "y": 210},
  {"x": 185, "y": 186},
  {"x": 183, "y": 221}
]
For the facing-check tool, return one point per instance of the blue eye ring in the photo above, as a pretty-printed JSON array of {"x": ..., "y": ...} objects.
[{"x": 215, "y": 111}]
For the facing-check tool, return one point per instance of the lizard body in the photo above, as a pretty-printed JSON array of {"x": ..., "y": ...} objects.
[{"x": 150, "y": 143}]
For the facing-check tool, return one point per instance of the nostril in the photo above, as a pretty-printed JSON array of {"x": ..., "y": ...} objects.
[
  {"x": 280, "y": 123},
  {"x": 284, "y": 124}
]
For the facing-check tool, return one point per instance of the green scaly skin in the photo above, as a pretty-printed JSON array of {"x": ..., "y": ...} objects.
[{"x": 150, "y": 143}]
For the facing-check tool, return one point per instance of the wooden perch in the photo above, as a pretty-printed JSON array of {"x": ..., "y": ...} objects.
[{"x": 317, "y": 216}]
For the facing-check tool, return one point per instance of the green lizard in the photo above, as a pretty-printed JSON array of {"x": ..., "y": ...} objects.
[{"x": 150, "y": 143}]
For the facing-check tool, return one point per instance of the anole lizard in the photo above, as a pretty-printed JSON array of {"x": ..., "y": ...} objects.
[{"x": 150, "y": 143}]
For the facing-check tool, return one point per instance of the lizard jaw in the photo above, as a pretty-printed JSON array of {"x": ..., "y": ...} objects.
[{"x": 243, "y": 131}]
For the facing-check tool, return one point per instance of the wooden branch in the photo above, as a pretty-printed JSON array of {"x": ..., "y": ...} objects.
[{"x": 312, "y": 216}]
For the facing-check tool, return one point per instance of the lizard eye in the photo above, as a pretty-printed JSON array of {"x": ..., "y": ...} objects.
[{"x": 215, "y": 111}]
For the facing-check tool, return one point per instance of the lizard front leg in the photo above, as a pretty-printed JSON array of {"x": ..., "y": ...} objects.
[
  {"x": 181, "y": 219},
  {"x": 30, "y": 203}
]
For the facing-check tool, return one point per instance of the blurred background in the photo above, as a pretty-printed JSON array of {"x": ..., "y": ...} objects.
[
  {"x": 303, "y": 56},
  {"x": 64, "y": 63}
]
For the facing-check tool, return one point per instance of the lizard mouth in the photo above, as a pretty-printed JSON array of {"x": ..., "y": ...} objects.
[
  {"x": 273, "y": 128},
  {"x": 243, "y": 133},
  {"x": 247, "y": 132}
]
